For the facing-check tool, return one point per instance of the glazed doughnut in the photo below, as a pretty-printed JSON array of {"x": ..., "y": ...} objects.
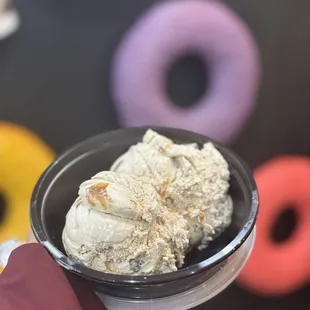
[
  {"x": 23, "y": 159},
  {"x": 173, "y": 29},
  {"x": 280, "y": 268}
]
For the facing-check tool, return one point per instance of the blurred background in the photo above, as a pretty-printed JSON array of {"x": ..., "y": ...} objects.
[{"x": 55, "y": 64}]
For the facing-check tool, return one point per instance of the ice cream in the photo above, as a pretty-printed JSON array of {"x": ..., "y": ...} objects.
[
  {"x": 118, "y": 225},
  {"x": 191, "y": 181},
  {"x": 158, "y": 200}
]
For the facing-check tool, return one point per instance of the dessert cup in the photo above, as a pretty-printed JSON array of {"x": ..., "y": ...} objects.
[{"x": 204, "y": 274}]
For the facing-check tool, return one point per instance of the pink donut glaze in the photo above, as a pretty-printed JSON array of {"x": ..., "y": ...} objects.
[{"x": 168, "y": 31}]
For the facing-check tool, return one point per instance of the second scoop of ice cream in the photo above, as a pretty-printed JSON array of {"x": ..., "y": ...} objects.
[
  {"x": 191, "y": 181},
  {"x": 118, "y": 225}
]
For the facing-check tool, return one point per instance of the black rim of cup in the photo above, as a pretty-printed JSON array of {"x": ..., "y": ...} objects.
[{"x": 97, "y": 276}]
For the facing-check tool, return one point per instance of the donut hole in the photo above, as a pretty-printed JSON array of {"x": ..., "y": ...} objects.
[
  {"x": 285, "y": 225},
  {"x": 187, "y": 81},
  {"x": 3, "y": 206}
]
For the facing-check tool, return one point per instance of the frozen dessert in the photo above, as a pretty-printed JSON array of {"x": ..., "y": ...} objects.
[
  {"x": 191, "y": 181},
  {"x": 118, "y": 225},
  {"x": 159, "y": 200}
]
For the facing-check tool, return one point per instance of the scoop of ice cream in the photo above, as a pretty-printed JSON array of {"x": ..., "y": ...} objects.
[
  {"x": 118, "y": 225},
  {"x": 191, "y": 181}
]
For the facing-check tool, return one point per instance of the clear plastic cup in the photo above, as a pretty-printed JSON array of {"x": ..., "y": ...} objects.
[{"x": 204, "y": 274}]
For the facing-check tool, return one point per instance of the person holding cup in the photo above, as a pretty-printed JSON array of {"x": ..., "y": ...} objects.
[{"x": 32, "y": 280}]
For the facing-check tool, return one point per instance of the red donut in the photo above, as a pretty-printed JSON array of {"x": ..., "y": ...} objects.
[{"x": 280, "y": 268}]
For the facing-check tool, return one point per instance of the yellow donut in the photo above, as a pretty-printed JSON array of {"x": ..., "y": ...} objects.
[{"x": 23, "y": 158}]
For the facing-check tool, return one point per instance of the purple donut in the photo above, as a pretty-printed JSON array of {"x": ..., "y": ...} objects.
[{"x": 168, "y": 31}]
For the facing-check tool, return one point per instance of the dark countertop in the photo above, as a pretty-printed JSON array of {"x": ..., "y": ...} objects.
[{"x": 54, "y": 79}]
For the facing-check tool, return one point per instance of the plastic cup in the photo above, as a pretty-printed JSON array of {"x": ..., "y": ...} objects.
[{"x": 205, "y": 273}]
